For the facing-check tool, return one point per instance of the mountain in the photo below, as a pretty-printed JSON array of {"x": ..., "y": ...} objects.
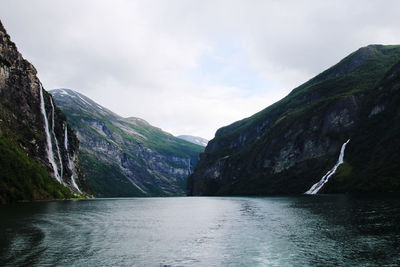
[
  {"x": 126, "y": 156},
  {"x": 289, "y": 146},
  {"x": 38, "y": 150},
  {"x": 194, "y": 139}
]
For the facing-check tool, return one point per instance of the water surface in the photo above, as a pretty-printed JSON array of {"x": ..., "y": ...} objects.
[{"x": 223, "y": 231}]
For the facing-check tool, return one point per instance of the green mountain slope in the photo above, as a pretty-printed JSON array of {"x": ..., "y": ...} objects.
[
  {"x": 126, "y": 156},
  {"x": 290, "y": 145},
  {"x": 373, "y": 162}
]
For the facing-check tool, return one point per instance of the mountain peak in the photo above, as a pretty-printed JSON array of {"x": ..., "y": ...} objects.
[
  {"x": 360, "y": 57},
  {"x": 74, "y": 100},
  {"x": 135, "y": 120},
  {"x": 194, "y": 139}
]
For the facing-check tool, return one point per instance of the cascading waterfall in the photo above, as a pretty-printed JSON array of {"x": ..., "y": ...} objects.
[
  {"x": 55, "y": 138},
  {"x": 316, "y": 187},
  {"x": 49, "y": 148},
  {"x": 70, "y": 162}
]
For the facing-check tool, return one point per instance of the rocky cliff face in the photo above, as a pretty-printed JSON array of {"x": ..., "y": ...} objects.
[
  {"x": 126, "y": 156},
  {"x": 35, "y": 133},
  {"x": 290, "y": 145}
]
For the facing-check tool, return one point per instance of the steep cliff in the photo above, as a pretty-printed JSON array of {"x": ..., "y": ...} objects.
[
  {"x": 290, "y": 145},
  {"x": 38, "y": 150},
  {"x": 126, "y": 156}
]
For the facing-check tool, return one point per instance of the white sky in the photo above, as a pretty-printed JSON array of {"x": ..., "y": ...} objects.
[{"x": 191, "y": 67}]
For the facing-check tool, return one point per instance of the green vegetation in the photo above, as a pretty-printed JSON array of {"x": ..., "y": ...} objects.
[
  {"x": 165, "y": 143},
  {"x": 330, "y": 85},
  {"x": 154, "y": 137},
  {"x": 371, "y": 160},
  {"x": 374, "y": 150},
  {"x": 107, "y": 180},
  {"x": 22, "y": 178}
]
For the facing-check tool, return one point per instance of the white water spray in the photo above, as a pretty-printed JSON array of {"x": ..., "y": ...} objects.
[
  {"x": 70, "y": 162},
  {"x": 55, "y": 138},
  {"x": 49, "y": 148},
  {"x": 316, "y": 187}
]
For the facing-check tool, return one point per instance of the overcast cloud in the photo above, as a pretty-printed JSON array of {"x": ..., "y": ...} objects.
[{"x": 191, "y": 67}]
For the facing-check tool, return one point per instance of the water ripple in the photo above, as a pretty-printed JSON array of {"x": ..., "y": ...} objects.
[{"x": 286, "y": 231}]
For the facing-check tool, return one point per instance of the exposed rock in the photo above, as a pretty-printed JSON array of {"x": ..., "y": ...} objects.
[
  {"x": 22, "y": 120},
  {"x": 376, "y": 110},
  {"x": 146, "y": 161}
]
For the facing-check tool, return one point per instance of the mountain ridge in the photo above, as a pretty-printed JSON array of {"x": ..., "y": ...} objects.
[
  {"x": 298, "y": 135},
  {"x": 126, "y": 154}
]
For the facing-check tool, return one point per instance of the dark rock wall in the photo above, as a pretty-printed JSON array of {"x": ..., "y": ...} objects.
[{"x": 21, "y": 115}]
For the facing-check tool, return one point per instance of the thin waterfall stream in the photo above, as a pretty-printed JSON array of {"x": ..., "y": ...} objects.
[
  {"x": 70, "y": 162},
  {"x": 55, "y": 138},
  {"x": 318, "y": 186}
]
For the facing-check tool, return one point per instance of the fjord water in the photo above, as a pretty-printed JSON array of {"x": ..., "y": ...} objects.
[{"x": 325, "y": 230}]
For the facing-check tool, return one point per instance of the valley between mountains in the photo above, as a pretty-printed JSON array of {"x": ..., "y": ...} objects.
[{"x": 337, "y": 133}]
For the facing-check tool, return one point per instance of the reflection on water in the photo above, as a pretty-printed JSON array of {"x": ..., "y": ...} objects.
[{"x": 277, "y": 231}]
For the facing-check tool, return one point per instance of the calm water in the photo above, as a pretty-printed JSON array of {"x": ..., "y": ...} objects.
[{"x": 276, "y": 231}]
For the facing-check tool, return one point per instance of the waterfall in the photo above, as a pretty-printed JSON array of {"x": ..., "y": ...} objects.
[
  {"x": 49, "y": 148},
  {"x": 55, "y": 138},
  {"x": 316, "y": 187},
  {"x": 70, "y": 162},
  {"x": 189, "y": 171},
  {"x": 66, "y": 139}
]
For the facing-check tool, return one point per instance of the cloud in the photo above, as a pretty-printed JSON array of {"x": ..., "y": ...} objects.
[{"x": 191, "y": 67}]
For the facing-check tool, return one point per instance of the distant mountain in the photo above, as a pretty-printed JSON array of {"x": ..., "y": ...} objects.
[
  {"x": 194, "y": 139},
  {"x": 126, "y": 156},
  {"x": 38, "y": 149},
  {"x": 289, "y": 146}
]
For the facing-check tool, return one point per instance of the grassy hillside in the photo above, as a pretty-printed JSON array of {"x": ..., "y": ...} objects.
[
  {"x": 360, "y": 71},
  {"x": 22, "y": 178}
]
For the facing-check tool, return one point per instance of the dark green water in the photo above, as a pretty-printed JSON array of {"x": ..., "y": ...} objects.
[{"x": 276, "y": 231}]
